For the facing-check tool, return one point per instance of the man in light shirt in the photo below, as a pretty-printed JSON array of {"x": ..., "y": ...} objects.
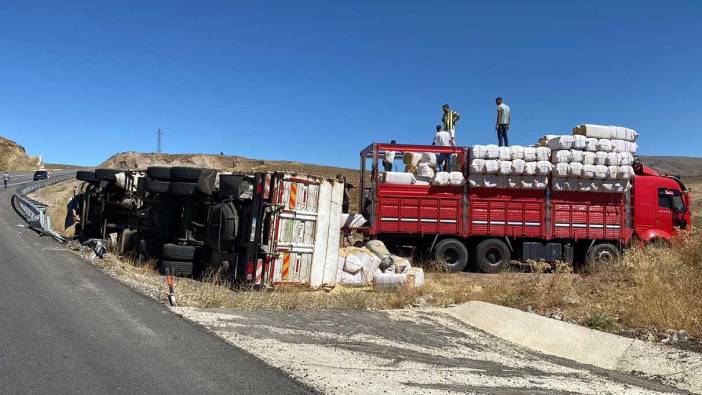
[
  {"x": 442, "y": 138},
  {"x": 389, "y": 158},
  {"x": 502, "y": 123}
]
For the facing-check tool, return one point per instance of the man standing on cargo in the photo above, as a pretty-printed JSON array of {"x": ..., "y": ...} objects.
[
  {"x": 502, "y": 123},
  {"x": 389, "y": 158},
  {"x": 6, "y": 179},
  {"x": 442, "y": 138},
  {"x": 449, "y": 120}
]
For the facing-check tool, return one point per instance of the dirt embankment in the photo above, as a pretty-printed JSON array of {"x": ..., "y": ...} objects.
[{"x": 13, "y": 157}]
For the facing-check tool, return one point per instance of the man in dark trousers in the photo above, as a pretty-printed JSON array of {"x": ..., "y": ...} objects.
[
  {"x": 6, "y": 179},
  {"x": 502, "y": 122},
  {"x": 449, "y": 120}
]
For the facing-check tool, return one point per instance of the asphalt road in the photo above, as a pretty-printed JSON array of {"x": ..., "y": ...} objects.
[{"x": 66, "y": 327}]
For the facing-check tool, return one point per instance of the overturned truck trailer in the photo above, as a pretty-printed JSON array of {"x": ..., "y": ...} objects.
[{"x": 263, "y": 228}]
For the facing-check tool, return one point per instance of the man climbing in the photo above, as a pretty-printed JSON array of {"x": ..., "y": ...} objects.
[
  {"x": 502, "y": 123},
  {"x": 449, "y": 120}
]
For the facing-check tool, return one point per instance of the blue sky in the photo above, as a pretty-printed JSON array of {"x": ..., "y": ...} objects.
[{"x": 317, "y": 81}]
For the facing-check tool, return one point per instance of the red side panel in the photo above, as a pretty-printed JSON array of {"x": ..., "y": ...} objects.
[
  {"x": 507, "y": 212},
  {"x": 592, "y": 216},
  {"x": 419, "y": 209}
]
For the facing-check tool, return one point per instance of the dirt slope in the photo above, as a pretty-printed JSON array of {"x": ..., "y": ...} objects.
[
  {"x": 13, "y": 157},
  {"x": 685, "y": 166}
]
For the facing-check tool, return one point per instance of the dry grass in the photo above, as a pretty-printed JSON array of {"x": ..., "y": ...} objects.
[{"x": 56, "y": 197}]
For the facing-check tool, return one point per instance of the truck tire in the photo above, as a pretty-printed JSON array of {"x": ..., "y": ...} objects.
[
  {"x": 177, "y": 252},
  {"x": 86, "y": 175},
  {"x": 182, "y": 188},
  {"x": 603, "y": 253},
  {"x": 492, "y": 255},
  {"x": 177, "y": 268},
  {"x": 159, "y": 173},
  {"x": 106, "y": 174},
  {"x": 452, "y": 253},
  {"x": 181, "y": 173},
  {"x": 157, "y": 186}
]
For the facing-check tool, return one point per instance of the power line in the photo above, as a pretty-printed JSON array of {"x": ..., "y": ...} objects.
[{"x": 159, "y": 133}]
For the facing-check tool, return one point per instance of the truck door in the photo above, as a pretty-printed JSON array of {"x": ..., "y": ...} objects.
[{"x": 671, "y": 210}]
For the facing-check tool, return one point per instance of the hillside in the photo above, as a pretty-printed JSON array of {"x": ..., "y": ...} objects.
[
  {"x": 685, "y": 166},
  {"x": 13, "y": 157}
]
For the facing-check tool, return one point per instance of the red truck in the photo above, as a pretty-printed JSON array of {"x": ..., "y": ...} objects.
[{"x": 490, "y": 227}]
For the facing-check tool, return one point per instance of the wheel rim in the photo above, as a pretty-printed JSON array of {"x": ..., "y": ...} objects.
[
  {"x": 493, "y": 256},
  {"x": 449, "y": 256},
  {"x": 605, "y": 256}
]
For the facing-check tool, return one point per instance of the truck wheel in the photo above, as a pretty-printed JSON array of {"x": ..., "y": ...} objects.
[
  {"x": 182, "y": 188},
  {"x": 106, "y": 174},
  {"x": 602, "y": 253},
  {"x": 493, "y": 255},
  {"x": 159, "y": 173},
  {"x": 157, "y": 186},
  {"x": 452, "y": 253},
  {"x": 86, "y": 175},
  {"x": 178, "y": 252},
  {"x": 180, "y": 173},
  {"x": 177, "y": 268}
]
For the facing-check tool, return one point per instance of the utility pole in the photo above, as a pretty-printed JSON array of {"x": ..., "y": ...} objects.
[{"x": 159, "y": 133}]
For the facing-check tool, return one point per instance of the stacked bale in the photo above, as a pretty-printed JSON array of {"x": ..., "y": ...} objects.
[
  {"x": 509, "y": 167},
  {"x": 594, "y": 159}
]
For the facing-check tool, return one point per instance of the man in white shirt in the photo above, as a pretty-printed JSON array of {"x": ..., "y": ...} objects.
[
  {"x": 389, "y": 158},
  {"x": 442, "y": 138},
  {"x": 504, "y": 116}
]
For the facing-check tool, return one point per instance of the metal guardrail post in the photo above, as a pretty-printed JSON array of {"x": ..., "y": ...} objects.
[{"x": 35, "y": 212}]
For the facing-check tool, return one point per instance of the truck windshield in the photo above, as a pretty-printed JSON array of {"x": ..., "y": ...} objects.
[{"x": 672, "y": 199}]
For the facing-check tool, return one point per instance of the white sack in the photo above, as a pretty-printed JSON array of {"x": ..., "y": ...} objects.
[
  {"x": 625, "y": 158},
  {"x": 600, "y": 158},
  {"x": 491, "y": 166},
  {"x": 493, "y": 151},
  {"x": 562, "y": 156},
  {"x": 585, "y": 185},
  {"x": 577, "y": 155},
  {"x": 606, "y": 132},
  {"x": 543, "y": 167},
  {"x": 626, "y": 172},
  {"x": 456, "y": 178},
  {"x": 505, "y": 167},
  {"x": 477, "y": 166},
  {"x": 605, "y": 145},
  {"x": 423, "y": 181},
  {"x": 505, "y": 153},
  {"x": 575, "y": 169},
  {"x": 428, "y": 158},
  {"x": 530, "y": 168},
  {"x": 613, "y": 172},
  {"x": 592, "y": 144},
  {"x": 606, "y": 185},
  {"x": 475, "y": 180},
  {"x": 514, "y": 181},
  {"x": 561, "y": 143},
  {"x": 612, "y": 159},
  {"x": 625, "y": 146},
  {"x": 517, "y": 152},
  {"x": 479, "y": 152},
  {"x": 424, "y": 170},
  {"x": 518, "y": 166},
  {"x": 542, "y": 153},
  {"x": 441, "y": 178},
  {"x": 589, "y": 158},
  {"x": 394, "y": 177},
  {"x": 579, "y": 142},
  {"x": 588, "y": 171},
  {"x": 561, "y": 170},
  {"x": 411, "y": 158},
  {"x": 529, "y": 154},
  {"x": 600, "y": 172}
]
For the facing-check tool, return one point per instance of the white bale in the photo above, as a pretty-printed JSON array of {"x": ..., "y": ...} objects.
[
  {"x": 626, "y": 134},
  {"x": 527, "y": 182},
  {"x": 490, "y": 181},
  {"x": 605, "y": 145},
  {"x": 479, "y": 152},
  {"x": 441, "y": 178},
  {"x": 612, "y": 159},
  {"x": 529, "y": 154},
  {"x": 394, "y": 177},
  {"x": 575, "y": 169},
  {"x": 411, "y": 158},
  {"x": 530, "y": 168},
  {"x": 428, "y": 158},
  {"x": 600, "y": 172},
  {"x": 456, "y": 178},
  {"x": 504, "y": 153},
  {"x": 625, "y": 158},
  {"x": 561, "y": 143},
  {"x": 542, "y": 153},
  {"x": 475, "y": 180},
  {"x": 579, "y": 142},
  {"x": 561, "y": 170},
  {"x": 560, "y": 184},
  {"x": 517, "y": 152},
  {"x": 518, "y": 166},
  {"x": 613, "y": 171},
  {"x": 592, "y": 144},
  {"x": 505, "y": 167},
  {"x": 561, "y": 156},
  {"x": 600, "y": 158},
  {"x": 543, "y": 167},
  {"x": 514, "y": 181},
  {"x": 576, "y": 155},
  {"x": 588, "y": 171},
  {"x": 589, "y": 158},
  {"x": 423, "y": 181},
  {"x": 540, "y": 182},
  {"x": 626, "y": 172},
  {"x": 477, "y": 166},
  {"x": 425, "y": 170},
  {"x": 492, "y": 166},
  {"x": 606, "y": 132},
  {"x": 625, "y": 146},
  {"x": 493, "y": 151}
]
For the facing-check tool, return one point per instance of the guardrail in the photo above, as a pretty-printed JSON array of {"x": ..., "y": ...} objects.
[{"x": 34, "y": 212}]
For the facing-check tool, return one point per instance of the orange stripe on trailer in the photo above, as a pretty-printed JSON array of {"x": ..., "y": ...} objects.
[
  {"x": 293, "y": 195},
  {"x": 286, "y": 267}
]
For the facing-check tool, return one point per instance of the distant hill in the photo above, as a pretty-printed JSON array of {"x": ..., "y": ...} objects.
[
  {"x": 685, "y": 166},
  {"x": 13, "y": 157}
]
